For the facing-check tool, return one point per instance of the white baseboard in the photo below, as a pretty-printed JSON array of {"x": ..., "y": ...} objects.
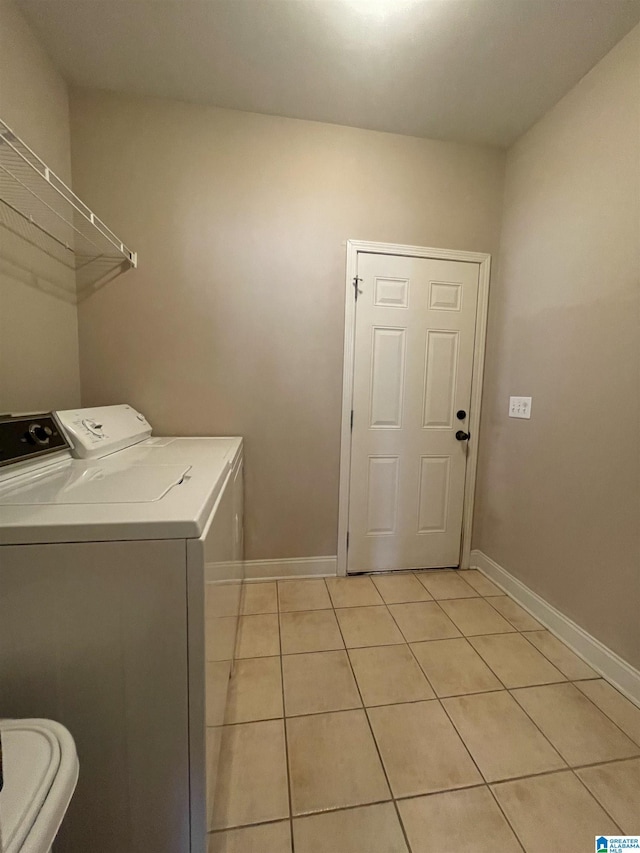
[
  {"x": 610, "y": 665},
  {"x": 295, "y": 567}
]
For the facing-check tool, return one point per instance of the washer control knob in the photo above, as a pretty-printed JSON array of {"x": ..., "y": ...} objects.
[{"x": 37, "y": 434}]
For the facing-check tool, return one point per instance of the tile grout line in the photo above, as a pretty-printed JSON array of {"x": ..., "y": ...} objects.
[
  {"x": 573, "y": 768},
  {"x": 526, "y": 631},
  {"x": 375, "y": 742},
  {"x": 488, "y": 598},
  {"x": 490, "y": 668},
  {"x": 462, "y": 741},
  {"x": 481, "y": 784},
  {"x": 488, "y": 784},
  {"x": 602, "y": 711},
  {"x": 438, "y": 699},
  {"x": 520, "y": 631},
  {"x": 509, "y": 690},
  {"x": 284, "y": 724},
  {"x": 314, "y": 813},
  {"x": 512, "y": 690}
]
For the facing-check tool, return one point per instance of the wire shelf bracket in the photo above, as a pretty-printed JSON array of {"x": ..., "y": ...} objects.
[{"x": 39, "y": 207}]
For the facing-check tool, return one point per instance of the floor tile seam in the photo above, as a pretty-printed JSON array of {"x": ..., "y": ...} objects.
[
  {"x": 410, "y": 797},
  {"x": 523, "y": 633},
  {"x": 486, "y": 783},
  {"x": 554, "y": 772},
  {"x": 478, "y": 652},
  {"x": 602, "y": 806},
  {"x": 247, "y": 826},
  {"x": 488, "y": 598},
  {"x": 482, "y": 776},
  {"x": 602, "y": 711},
  {"x": 247, "y": 722},
  {"x": 286, "y": 739},
  {"x": 363, "y": 574},
  {"x": 437, "y": 699},
  {"x": 507, "y": 819},
  {"x": 394, "y": 645},
  {"x": 495, "y": 674},
  {"x": 548, "y": 739},
  {"x": 595, "y": 764},
  {"x": 350, "y": 808},
  {"x": 311, "y": 652},
  {"x": 492, "y": 785},
  {"x": 304, "y": 609},
  {"x": 372, "y": 734},
  {"x": 291, "y": 816},
  {"x": 335, "y": 710},
  {"x": 435, "y": 696},
  {"x": 452, "y": 722},
  {"x": 385, "y": 705},
  {"x": 401, "y": 642},
  {"x": 421, "y": 602},
  {"x": 490, "y": 633},
  {"x": 287, "y": 716},
  {"x": 474, "y": 593},
  {"x": 386, "y": 606},
  {"x": 413, "y": 653},
  {"x": 316, "y": 651},
  {"x": 375, "y": 742},
  {"x": 597, "y": 707},
  {"x": 463, "y": 742},
  {"x": 567, "y": 767}
]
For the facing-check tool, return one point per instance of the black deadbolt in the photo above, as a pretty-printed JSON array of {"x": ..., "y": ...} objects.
[
  {"x": 461, "y": 414},
  {"x": 461, "y": 435}
]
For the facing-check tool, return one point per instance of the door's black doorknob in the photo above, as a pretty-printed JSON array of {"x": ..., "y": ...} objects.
[{"x": 461, "y": 435}]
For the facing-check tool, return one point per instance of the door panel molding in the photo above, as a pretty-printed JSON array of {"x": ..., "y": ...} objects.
[{"x": 354, "y": 248}]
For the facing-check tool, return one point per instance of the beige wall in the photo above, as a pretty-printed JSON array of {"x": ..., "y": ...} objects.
[
  {"x": 234, "y": 321},
  {"x": 559, "y": 498},
  {"x": 38, "y": 320}
]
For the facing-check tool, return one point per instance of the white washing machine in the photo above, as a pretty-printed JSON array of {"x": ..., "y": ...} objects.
[{"x": 106, "y": 536}]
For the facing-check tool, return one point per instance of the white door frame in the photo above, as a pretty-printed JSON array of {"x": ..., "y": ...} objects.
[{"x": 354, "y": 247}]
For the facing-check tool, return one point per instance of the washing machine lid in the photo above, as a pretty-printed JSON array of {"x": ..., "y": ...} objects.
[
  {"x": 108, "y": 481},
  {"x": 161, "y": 488},
  {"x": 40, "y": 771}
]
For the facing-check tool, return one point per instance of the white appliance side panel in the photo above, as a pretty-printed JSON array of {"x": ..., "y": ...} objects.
[
  {"x": 215, "y": 574},
  {"x": 94, "y": 635}
]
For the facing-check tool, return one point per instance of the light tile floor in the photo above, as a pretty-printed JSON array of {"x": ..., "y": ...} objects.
[{"x": 415, "y": 713}]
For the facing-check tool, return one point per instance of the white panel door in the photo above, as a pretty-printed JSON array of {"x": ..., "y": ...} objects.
[{"x": 414, "y": 341}]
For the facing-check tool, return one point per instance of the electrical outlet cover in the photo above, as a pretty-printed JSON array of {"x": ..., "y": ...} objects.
[{"x": 520, "y": 407}]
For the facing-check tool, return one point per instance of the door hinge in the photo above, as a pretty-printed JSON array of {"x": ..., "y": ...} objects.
[
  {"x": 347, "y": 540},
  {"x": 356, "y": 279},
  {"x": 351, "y": 420}
]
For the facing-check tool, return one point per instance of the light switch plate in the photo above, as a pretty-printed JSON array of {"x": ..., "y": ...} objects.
[{"x": 520, "y": 407}]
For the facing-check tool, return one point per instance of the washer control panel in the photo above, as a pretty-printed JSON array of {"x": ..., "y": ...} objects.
[
  {"x": 99, "y": 431},
  {"x": 29, "y": 437}
]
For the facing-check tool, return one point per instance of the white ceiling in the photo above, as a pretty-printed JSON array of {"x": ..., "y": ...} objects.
[{"x": 467, "y": 70}]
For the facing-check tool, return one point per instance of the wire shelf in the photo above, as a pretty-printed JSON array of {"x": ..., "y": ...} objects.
[{"x": 40, "y": 209}]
